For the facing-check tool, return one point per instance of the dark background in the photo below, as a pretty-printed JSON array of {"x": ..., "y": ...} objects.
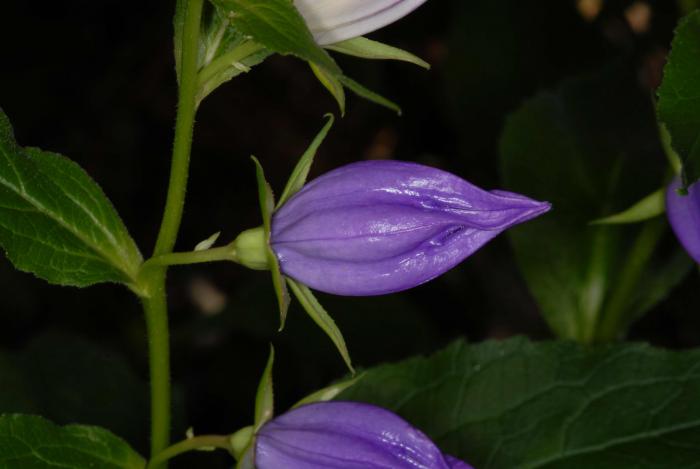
[{"x": 95, "y": 82}]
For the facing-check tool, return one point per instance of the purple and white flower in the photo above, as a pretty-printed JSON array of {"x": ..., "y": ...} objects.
[{"x": 332, "y": 21}]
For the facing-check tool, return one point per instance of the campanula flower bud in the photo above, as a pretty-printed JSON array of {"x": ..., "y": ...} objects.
[
  {"x": 347, "y": 435},
  {"x": 332, "y": 21},
  {"x": 377, "y": 227},
  {"x": 683, "y": 213}
]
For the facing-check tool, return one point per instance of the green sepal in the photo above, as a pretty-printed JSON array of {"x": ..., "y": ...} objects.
[
  {"x": 373, "y": 50},
  {"x": 331, "y": 82},
  {"x": 240, "y": 441},
  {"x": 649, "y": 207},
  {"x": 301, "y": 170},
  {"x": 321, "y": 317},
  {"x": 267, "y": 204},
  {"x": 368, "y": 94},
  {"x": 264, "y": 398},
  {"x": 329, "y": 392}
]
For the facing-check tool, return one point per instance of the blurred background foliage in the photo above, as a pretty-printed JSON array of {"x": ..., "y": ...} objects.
[{"x": 95, "y": 82}]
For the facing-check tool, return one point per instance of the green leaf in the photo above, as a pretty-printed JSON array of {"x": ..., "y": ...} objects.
[
  {"x": 679, "y": 96},
  {"x": 591, "y": 148},
  {"x": 267, "y": 204},
  {"x": 301, "y": 170},
  {"x": 57, "y": 223},
  {"x": 373, "y": 50},
  {"x": 522, "y": 405},
  {"x": 321, "y": 317},
  {"x": 67, "y": 379},
  {"x": 31, "y": 442},
  {"x": 649, "y": 207},
  {"x": 264, "y": 398},
  {"x": 369, "y": 95}
]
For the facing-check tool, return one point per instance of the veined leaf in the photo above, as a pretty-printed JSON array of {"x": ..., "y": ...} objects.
[
  {"x": 56, "y": 222},
  {"x": 31, "y": 442},
  {"x": 679, "y": 96},
  {"x": 517, "y": 404}
]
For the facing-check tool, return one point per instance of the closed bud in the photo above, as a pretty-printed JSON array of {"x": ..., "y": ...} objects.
[
  {"x": 347, "y": 435},
  {"x": 377, "y": 227}
]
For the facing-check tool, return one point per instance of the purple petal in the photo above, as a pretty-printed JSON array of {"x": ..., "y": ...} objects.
[
  {"x": 332, "y": 21},
  {"x": 377, "y": 227},
  {"x": 684, "y": 215},
  {"x": 344, "y": 435}
]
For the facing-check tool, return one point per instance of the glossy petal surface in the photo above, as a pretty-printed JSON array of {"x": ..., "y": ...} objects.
[
  {"x": 684, "y": 215},
  {"x": 332, "y": 21},
  {"x": 344, "y": 435},
  {"x": 377, "y": 227}
]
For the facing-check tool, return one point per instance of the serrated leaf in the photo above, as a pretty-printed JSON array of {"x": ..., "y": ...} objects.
[
  {"x": 267, "y": 204},
  {"x": 679, "y": 96},
  {"x": 301, "y": 170},
  {"x": 32, "y": 442},
  {"x": 369, "y": 95},
  {"x": 649, "y": 207},
  {"x": 321, "y": 317},
  {"x": 264, "y": 398},
  {"x": 56, "y": 222},
  {"x": 581, "y": 148},
  {"x": 374, "y": 50},
  {"x": 523, "y": 405}
]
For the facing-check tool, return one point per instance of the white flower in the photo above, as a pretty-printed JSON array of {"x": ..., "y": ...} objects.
[{"x": 332, "y": 21}]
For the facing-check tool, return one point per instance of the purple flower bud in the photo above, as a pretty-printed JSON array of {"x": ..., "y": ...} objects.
[
  {"x": 332, "y": 21},
  {"x": 377, "y": 227},
  {"x": 346, "y": 435},
  {"x": 684, "y": 215}
]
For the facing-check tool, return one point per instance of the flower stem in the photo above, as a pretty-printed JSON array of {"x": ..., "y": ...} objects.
[
  {"x": 204, "y": 442},
  {"x": 154, "y": 301},
  {"x": 225, "y": 253}
]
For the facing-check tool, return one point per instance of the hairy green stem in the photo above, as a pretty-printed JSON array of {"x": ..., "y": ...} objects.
[
  {"x": 184, "y": 124},
  {"x": 202, "y": 443},
  {"x": 154, "y": 301},
  {"x": 156, "y": 310},
  {"x": 225, "y": 253}
]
